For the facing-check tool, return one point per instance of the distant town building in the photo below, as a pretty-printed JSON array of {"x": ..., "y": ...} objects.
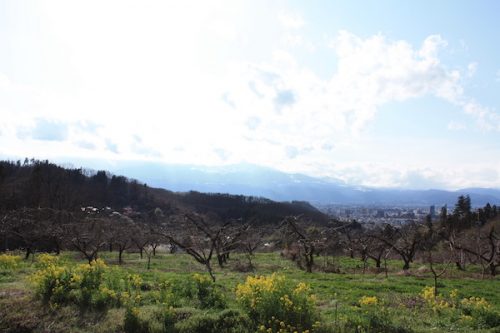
[{"x": 432, "y": 211}]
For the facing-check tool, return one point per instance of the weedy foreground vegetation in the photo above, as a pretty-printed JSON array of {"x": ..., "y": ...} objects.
[{"x": 67, "y": 294}]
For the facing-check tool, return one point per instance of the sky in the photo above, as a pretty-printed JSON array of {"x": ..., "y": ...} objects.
[{"x": 375, "y": 93}]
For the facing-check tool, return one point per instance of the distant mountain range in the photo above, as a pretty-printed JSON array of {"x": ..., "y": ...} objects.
[{"x": 259, "y": 181}]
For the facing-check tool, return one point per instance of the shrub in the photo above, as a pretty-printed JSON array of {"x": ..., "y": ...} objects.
[
  {"x": 276, "y": 305},
  {"x": 381, "y": 323},
  {"x": 163, "y": 293},
  {"x": 478, "y": 313},
  {"x": 9, "y": 261},
  {"x": 203, "y": 290},
  {"x": 154, "y": 319},
  {"x": 149, "y": 319},
  {"x": 88, "y": 286},
  {"x": 436, "y": 303},
  {"x": 86, "y": 281},
  {"x": 376, "y": 320},
  {"x": 46, "y": 259},
  {"x": 472, "y": 311},
  {"x": 227, "y": 321},
  {"x": 52, "y": 283},
  {"x": 202, "y": 323},
  {"x": 133, "y": 322}
]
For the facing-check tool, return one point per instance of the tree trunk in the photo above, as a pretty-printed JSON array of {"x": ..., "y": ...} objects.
[
  {"x": 385, "y": 268},
  {"x": 28, "y": 252},
  {"x": 220, "y": 260},
  {"x": 209, "y": 269},
  {"x": 250, "y": 264},
  {"x": 435, "y": 285},
  {"x": 309, "y": 262},
  {"x": 120, "y": 252},
  {"x": 493, "y": 269}
]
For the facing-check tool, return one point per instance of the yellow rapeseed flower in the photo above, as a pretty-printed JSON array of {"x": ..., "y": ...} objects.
[{"x": 368, "y": 300}]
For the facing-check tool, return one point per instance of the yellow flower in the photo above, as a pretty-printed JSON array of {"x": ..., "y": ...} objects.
[
  {"x": 287, "y": 302},
  {"x": 76, "y": 278},
  {"x": 368, "y": 300},
  {"x": 135, "y": 280},
  {"x": 46, "y": 259},
  {"x": 465, "y": 318},
  {"x": 475, "y": 302},
  {"x": 436, "y": 303},
  {"x": 301, "y": 288},
  {"x": 124, "y": 297},
  {"x": 428, "y": 293},
  {"x": 8, "y": 261}
]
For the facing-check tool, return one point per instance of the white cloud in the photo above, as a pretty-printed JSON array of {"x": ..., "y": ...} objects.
[
  {"x": 486, "y": 118},
  {"x": 334, "y": 112},
  {"x": 472, "y": 69},
  {"x": 157, "y": 73},
  {"x": 291, "y": 20},
  {"x": 453, "y": 178},
  {"x": 370, "y": 73},
  {"x": 430, "y": 48}
]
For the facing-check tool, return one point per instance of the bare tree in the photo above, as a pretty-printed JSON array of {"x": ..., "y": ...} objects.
[
  {"x": 405, "y": 241},
  {"x": 307, "y": 240},
  {"x": 229, "y": 240},
  {"x": 483, "y": 243},
  {"x": 458, "y": 254},
  {"x": 121, "y": 233},
  {"x": 141, "y": 237},
  {"x": 31, "y": 228},
  {"x": 88, "y": 236},
  {"x": 192, "y": 234},
  {"x": 373, "y": 247},
  {"x": 56, "y": 229},
  {"x": 436, "y": 273},
  {"x": 251, "y": 240}
]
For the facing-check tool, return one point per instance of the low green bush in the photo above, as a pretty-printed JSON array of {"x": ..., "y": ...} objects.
[
  {"x": 227, "y": 321},
  {"x": 203, "y": 291},
  {"x": 9, "y": 261},
  {"x": 275, "y": 304},
  {"x": 90, "y": 286},
  {"x": 153, "y": 319}
]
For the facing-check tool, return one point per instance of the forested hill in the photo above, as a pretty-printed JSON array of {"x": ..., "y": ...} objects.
[{"x": 34, "y": 183}]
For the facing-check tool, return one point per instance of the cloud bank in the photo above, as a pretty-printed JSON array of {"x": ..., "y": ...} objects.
[{"x": 168, "y": 83}]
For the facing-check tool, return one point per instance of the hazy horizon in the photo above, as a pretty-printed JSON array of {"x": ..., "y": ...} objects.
[{"x": 383, "y": 94}]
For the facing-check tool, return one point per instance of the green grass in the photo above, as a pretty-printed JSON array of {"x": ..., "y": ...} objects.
[{"x": 337, "y": 293}]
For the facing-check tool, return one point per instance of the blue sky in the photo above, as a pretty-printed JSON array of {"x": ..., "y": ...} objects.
[{"x": 377, "y": 93}]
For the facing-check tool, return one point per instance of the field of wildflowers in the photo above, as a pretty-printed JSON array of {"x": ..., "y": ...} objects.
[{"x": 176, "y": 295}]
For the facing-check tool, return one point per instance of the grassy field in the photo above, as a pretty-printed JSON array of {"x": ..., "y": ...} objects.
[{"x": 176, "y": 291}]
